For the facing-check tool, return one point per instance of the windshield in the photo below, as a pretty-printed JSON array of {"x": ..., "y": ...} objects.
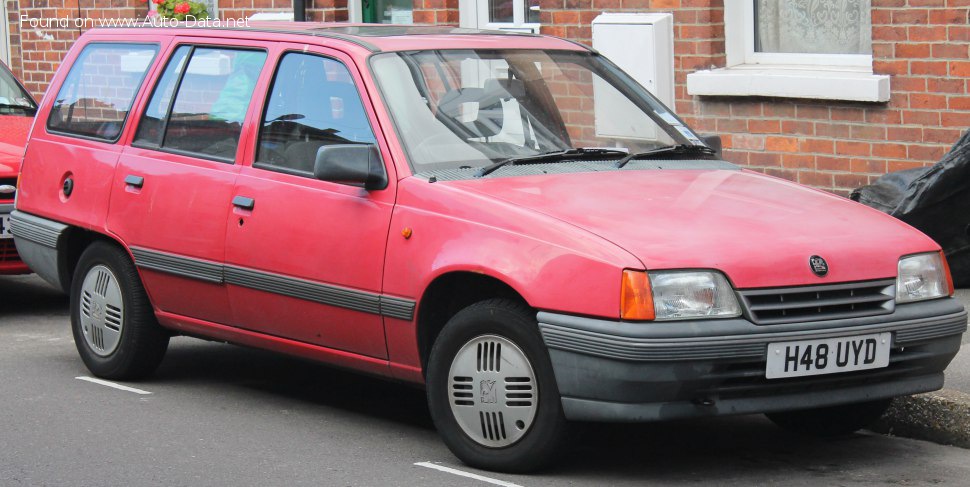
[
  {"x": 471, "y": 108},
  {"x": 14, "y": 100}
]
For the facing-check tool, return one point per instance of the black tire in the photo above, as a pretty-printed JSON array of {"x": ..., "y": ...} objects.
[
  {"x": 142, "y": 343},
  {"x": 514, "y": 322},
  {"x": 831, "y": 422}
]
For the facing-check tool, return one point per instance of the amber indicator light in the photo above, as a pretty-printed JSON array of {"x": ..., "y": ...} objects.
[{"x": 636, "y": 301}]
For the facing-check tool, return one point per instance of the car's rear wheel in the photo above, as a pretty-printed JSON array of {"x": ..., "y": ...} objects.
[
  {"x": 115, "y": 330},
  {"x": 491, "y": 389},
  {"x": 831, "y": 421}
]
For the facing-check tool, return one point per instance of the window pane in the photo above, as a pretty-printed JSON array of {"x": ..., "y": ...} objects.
[
  {"x": 313, "y": 102},
  {"x": 532, "y": 14},
  {"x": 212, "y": 101},
  {"x": 150, "y": 128},
  {"x": 500, "y": 11},
  {"x": 813, "y": 26},
  {"x": 97, "y": 94}
]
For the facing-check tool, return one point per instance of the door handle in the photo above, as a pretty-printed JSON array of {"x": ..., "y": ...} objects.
[
  {"x": 243, "y": 202},
  {"x": 134, "y": 181}
]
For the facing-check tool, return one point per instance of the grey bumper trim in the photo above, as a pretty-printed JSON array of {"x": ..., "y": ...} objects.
[
  {"x": 35, "y": 229},
  {"x": 564, "y": 332},
  {"x": 6, "y": 208}
]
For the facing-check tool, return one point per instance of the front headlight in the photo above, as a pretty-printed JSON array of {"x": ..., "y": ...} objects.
[
  {"x": 679, "y": 295},
  {"x": 922, "y": 277}
]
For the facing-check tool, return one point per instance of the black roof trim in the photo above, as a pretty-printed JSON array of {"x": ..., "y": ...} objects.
[{"x": 307, "y": 32}]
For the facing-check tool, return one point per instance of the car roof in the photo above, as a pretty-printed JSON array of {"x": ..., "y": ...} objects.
[{"x": 372, "y": 37}]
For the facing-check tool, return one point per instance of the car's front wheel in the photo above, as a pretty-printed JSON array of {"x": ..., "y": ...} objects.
[
  {"x": 831, "y": 421},
  {"x": 114, "y": 327},
  {"x": 491, "y": 389}
]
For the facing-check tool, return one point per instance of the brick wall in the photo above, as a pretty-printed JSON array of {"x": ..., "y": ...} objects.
[
  {"x": 441, "y": 12},
  {"x": 924, "y": 45}
]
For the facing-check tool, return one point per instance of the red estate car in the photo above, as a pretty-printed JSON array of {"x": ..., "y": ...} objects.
[
  {"x": 507, "y": 219},
  {"x": 17, "y": 109}
]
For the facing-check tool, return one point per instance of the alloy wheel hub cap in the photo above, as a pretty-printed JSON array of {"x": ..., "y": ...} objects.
[
  {"x": 102, "y": 310},
  {"x": 492, "y": 391}
]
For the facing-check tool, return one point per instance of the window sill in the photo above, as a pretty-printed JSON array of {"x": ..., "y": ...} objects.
[{"x": 824, "y": 84}]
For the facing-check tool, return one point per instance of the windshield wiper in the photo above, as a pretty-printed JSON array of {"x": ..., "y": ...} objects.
[
  {"x": 574, "y": 153},
  {"x": 673, "y": 149}
]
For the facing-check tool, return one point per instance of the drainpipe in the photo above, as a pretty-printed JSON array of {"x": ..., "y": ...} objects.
[{"x": 299, "y": 10}]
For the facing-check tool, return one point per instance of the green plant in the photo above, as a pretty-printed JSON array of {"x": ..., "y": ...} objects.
[{"x": 181, "y": 9}]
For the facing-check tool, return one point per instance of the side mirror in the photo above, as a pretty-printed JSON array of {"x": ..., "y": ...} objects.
[
  {"x": 714, "y": 142},
  {"x": 355, "y": 164}
]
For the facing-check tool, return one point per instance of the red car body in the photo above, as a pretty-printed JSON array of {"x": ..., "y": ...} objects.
[
  {"x": 367, "y": 277},
  {"x": 14, "y": 127}
]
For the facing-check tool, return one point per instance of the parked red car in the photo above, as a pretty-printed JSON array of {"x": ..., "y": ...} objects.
[
  {"x": 17, "y": 109},
  {"x": 508, "y": 219}
]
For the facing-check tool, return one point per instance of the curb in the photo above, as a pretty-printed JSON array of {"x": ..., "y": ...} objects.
[{"x": 941, "y": 417}]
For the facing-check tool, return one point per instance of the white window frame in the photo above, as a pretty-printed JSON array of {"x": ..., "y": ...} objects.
[
  {"x": 788, "y": 75},
  {"x": 474, "y": 14}
]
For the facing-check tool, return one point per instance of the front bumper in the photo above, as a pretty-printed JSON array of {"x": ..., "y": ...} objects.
[
  {"x": 10, "y": 261},
  {"x": 616, "y": 371}
]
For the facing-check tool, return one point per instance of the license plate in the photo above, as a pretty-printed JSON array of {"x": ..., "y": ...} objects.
[
  {"x": 828, "y": 355},
  {"x": 5, "y": 226}
]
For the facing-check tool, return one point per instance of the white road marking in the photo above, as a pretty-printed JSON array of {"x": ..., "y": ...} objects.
[
  {"x": 470, "y": 475},
  {"x": 111, "y": 384}
]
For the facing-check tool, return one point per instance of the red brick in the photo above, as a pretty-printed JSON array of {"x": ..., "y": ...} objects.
[
  {"x": 812, "y": 112},
  {"x": 905, "y": 134},
  {"x": 885, "y": 33},
  {"x": 782, "y": 173},
  {"x": 958, "y": 33},
  {"x": 904, "y": 165},
  {"x": 736, "y": 125},
  {"x": 765, "y": 159},
  {"x": 781, "y": 144},
  {"x": 830, "y": 163},
  {"x": 927, "y": 101},
  {"x": 943, "y": 136},
  {"x": 871, "y": 166},
  {"x": 844, "y": 147},
  {"x": 927, "y": 3},
  {"x": 947, "y": 16},
  {"x": 915, "y": 117},
  {"x": 890, "y": 67},
  {"x": 931, "y": 153},
  {"x": 909, "y": 50},
  {"x": 867, "y": 132},
  {"x": 817, "y": 179},
  {"x": 818, "y": 146},
  {"x": 943, "y": 85},
  {"x": 746, "y": 109},
  {"x": 932, "y": 34},
  {"x": 764, "y": 126},
  {"x": 889, "y": 150},
  {"x": 798, "y": 161},
  {"x": 960, "y": 69},
  {"x": 850, "y": 181},
  {"x": 797, "y": 127},
  {"x": 951, "y": 51},
  {"x": 848, "y": 114},
  {"x": 750, "y": 142},
  {"x": 910, "y": 16},
  {"x": 958, "y": 103},
  {"x": 665, "y": 3},
  {"x": 908, "y": 83},
  {"x": 950, "y": 119}
]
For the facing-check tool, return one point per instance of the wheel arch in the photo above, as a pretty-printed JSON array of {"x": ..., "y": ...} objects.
[
  {"x": 449, "y": 293},
  {"x": 74, "y": 241}
]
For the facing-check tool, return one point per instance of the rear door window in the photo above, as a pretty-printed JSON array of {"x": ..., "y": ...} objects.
[
  {"x": 313, "y": 102},
  {"x": 96, "y": 96},
  {"x": 200, "y": 102}
]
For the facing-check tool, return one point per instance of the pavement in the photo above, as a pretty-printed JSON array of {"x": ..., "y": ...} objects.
[{"x": 944, "y": 416}]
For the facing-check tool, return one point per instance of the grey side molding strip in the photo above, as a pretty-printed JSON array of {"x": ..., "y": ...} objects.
[
  {"x": 35, "y": 229},
  {"x": 217, "y": 273}
]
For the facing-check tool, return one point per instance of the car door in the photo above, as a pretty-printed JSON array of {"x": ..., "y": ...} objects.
[
  {"x": 173, "y": 186},
  {"x": 304, "y": 257}
]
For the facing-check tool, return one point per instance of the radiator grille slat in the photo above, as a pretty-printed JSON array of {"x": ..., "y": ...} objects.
[{"x": 827, "y": 302}]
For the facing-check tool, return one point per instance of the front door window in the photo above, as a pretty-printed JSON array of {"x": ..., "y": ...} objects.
[{"x": 519, "y": 15}]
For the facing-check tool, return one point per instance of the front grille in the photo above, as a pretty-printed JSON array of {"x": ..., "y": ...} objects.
[
  {"x": 814, "y": 303},
  {"x": 8, "y": 252},
  {"x": 8, "y": 197}
]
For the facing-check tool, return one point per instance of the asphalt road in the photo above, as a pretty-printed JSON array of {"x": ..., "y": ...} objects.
[{"x": 224, "y": 415}]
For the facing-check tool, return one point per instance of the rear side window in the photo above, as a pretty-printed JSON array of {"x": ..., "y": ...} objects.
[
  {"x": 200, "y": 102},
  {"x": 97, "y": 94}
]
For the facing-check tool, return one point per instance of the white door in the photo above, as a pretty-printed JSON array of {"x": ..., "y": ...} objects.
[{"x": 517, "y": 15}]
